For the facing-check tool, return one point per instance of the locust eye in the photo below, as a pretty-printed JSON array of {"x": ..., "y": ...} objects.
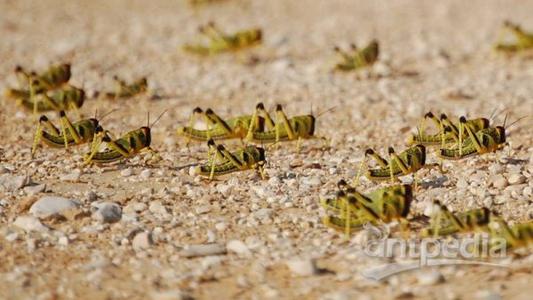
[
  {"x": 443, "y": 117},
  {"x": 462, "y": 119},
  {"x": 211, "y": 142},
  {"x": 260, "y": 106},
  {"x": 278, "y": 107},
  {"x": 43, "y": 119},
  {"x": 429, "y": 115},
  {"x": 197, "y": 110},
  {"x": 391, "y": 150},
  {"x": 369, "y": 152}
]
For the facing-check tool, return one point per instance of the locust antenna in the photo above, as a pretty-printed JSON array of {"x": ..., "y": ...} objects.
[{"x": 158, "y": 118}]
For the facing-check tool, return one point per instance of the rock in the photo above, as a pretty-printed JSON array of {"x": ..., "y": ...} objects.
[
  {"x": 487, "y": 295},
  {"x": 204, "y": 250},
  {"x": 146, "y": 173},
  {"x": 312, "y": 181},
  {"x": 142, "y": 241},
  {"x": 263, "y": 213},
  {"x": 498, "y": 181},
  {"x": 221, "y": 226},
  {"x": 430, "y": 278},
  {"x": 302, "y": 267},
  {"x": 156, "y": 207},
  {"x": 126, "y": 172},
  {"x": 107, "y": 212},
  {"x": 74, "y": 176},
  {"x": 462, "y": 184},
  {"x": 29, "y": 223},
  {"x": 34, "y": 189},
  {"x": 517, "y": 179},
  {"x": 51, "y": 205},
  {"x": 168, "y": 295},
  {"x": 238, "y": 247},
  {"x": 12, "y": 183},
  {"x": 202, "y": 209}
]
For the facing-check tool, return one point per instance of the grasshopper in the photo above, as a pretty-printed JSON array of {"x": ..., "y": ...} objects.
[
  {"x": 285, "y": 129},
  {"x": 223, "y": 42},
  {"x": 124, "y": 90},
  {"x": 71, "y": 134},
  {"x": 520, "y": 235},
  {"x": 443, "y": 222},
  {"x": 407, "y": 162},
  {"x": 448, "y": 132},
  {"x": 219, "y": 129},
  {"x": 477, "y": 143},
  {"x": 524, "y": 40},
  {"x": 221, "y": 161},
  {"x": 65, "y": 98},
  {"x": 357, "y": 58},
  {"x": 355, "y": 209},
  {"x": 127, "y": 146},
  {"x": 55, "y": 76}
]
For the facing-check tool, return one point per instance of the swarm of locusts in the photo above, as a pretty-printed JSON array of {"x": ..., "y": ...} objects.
[{"x": 260, "y": 131}]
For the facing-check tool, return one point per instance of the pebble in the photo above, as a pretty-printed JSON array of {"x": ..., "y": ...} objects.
[
  {"x": 29, "y": 223},
  {"x": 302, "y": 267},
  {"x": 146, "y": 173},
  {"x": 517, "y": 179},
  {"x": 238, "y": 247},
  {"x": 312, "y": 181},
  {"x": 74, "y": 176},
  {"x": 34, "y": 189},
  {"x": 202, "y": 209},
  {"x": 487, "y": 295},
  {"x": 221, "y": 226},
  {"x": 142, "y": 241},
  {"x": 126, "y": 172},
  {"x": 462, "y": 184},
  {"x": 107, "y": 212},
  {"x": 204, "y": 250},
  {"x": 13, "y": 183},
  {"x": 52, "y": 205},
  {"x": 430, "y": 278},
  {"x": 156, "y": 207},
  {"x": 498, "y": 181},
  {"x": 168, "y": 295}
]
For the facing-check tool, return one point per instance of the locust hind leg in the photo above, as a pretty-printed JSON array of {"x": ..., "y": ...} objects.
[
  {"x": 282, "y": 119},
  {"x": 399, "y": 162},
  {"x": 38, "y": 135},
  {"x": 65, "y": 123}
]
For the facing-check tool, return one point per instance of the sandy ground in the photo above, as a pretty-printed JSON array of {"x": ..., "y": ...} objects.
[{"x": 435, "y": 56}]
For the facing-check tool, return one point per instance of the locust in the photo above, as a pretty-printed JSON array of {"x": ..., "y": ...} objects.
[
  {"x": 125, "y": 90},
  {"x": 520, "y": 235},
  {"x": 295, "y": 128},
  {"x": 447, "y": 133},
  {"x": 407, "y": 162},
  {"x": 524, "y": 40},
  {"x": 219, "y": 129},
  {"x": 356, "y": 58},
  {"x": 355, "y": 209},
  {"x": 69, "y": 134},
  {"x": 221, "y": 161},
  {"x": 127, "y": 146},
  {"x": 54, "y": 77},
  {"x": 483, "y": 141},
  {"x": 443, "y": 222},
  {"x": 222, "y": 42},
  {"x": 65, "y": 98}
]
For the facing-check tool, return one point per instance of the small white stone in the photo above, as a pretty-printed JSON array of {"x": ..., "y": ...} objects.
[
  {"x": 312, "y": 181},
  {"x": 63, "y": 241},
  {"x": 146, "y": 173},
  {"x": 430, "y": 278},
  {"x": 51, "y": 205},
  {"x": 487, "y": 295},
  {"x": 202, "y": 209},
  {"x": 302, "y": 267},
  {"x": 142, "y": 241},
  {"x": 156, "y": 207},
  {"x": 203, "y": 250},
  {"x": 168, "y": 295},
  {"x": 193, "y": 171},
  {"x": 126, "y": 172},
  {"x": 108, "y": 212},
  {"x": 462, "y": 184},
  {"x": 13, "y": 183},
  {"x": 29, "y": 223},
  {"x": 220, "y": 226},
  {"x": 74, "y": 176},
  {"x": 498, "y": 181},
  {"x": 517, "y": 179},
  {"x": 238, "y": 247},
  {"x": 34, "y": 189}
]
